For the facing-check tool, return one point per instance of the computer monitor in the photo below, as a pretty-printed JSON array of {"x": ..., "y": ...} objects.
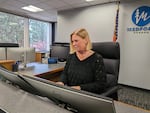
[
  {"x": 2, "y": 53},
  {"x": 9, "y": 45},
  {"x": 16, "y": 54},
  {"x": 30, "y": 54},
  {"x": 80, "y": 101},
  {"x": 25, "y": 55},
  {"x": 17, "y": 80},
  {"x": 60, "y": 52}
]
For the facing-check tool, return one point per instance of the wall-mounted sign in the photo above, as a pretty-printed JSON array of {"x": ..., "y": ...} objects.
[{"x": 141, "y": 19}]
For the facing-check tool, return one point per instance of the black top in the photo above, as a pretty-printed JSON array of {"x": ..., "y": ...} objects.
[{"x": 89, "y": 74}]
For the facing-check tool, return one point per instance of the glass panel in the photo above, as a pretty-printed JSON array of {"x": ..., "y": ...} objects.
[
  {"x": 39, "y": 35},
  {"x": 11, "y": 29}
]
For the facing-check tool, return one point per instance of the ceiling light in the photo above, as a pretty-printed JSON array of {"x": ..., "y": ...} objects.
[
  {"x": 89, "y": 0},
  {"x": 32, "y": 8}
]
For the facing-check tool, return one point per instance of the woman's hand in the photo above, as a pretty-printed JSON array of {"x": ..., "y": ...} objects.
[
  {"x": 76, "y": 87},
  {"x": 60, "y": 83}
]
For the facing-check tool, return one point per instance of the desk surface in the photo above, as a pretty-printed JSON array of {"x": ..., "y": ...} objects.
[
  {"x": 15, "y": 100},
  {"x": 38, "y": 69}
]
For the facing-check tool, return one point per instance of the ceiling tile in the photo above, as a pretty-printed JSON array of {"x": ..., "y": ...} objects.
[
  {"x": 1, "y": 1},
  {"x": 29, "y": 1},
  {"x": 56, "y": 3},
  {"x": 74, "y": 1},
  {"x": 15, "y": 4},
  {"x": 80, "y": 5},
  {"x": 50, "y": 6}
]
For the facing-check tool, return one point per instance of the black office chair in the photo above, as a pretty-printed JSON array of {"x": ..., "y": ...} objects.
[{"x": 110, "y": 52}]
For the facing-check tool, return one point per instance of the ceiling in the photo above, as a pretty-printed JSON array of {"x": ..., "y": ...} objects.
[{"x": 51, "y": 7}]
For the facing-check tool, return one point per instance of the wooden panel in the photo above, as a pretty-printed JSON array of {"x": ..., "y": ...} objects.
[{"x": 7, "y": 64}]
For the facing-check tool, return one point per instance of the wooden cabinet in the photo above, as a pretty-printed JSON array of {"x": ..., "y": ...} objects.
[{"x": 39, "y": 56}]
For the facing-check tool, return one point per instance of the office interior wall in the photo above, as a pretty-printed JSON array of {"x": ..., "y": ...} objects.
[
  {"x": 99, "y": 20},
  {"x": 134, "y": 46}
]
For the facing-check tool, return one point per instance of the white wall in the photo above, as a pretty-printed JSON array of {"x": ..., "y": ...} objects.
[{"x": 98, "y": 20}]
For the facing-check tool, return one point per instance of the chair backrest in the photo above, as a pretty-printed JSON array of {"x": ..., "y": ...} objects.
[{"x": 110, "y": 52}]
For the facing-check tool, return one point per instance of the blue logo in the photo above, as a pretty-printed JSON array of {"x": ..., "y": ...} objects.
[{"x": 141, "y": 16}]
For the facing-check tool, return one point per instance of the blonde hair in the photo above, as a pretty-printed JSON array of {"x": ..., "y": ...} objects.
[{"x": 84, "y": 35}]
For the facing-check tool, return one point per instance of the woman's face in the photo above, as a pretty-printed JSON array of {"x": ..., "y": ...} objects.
[{"x": 78, "y": 43}]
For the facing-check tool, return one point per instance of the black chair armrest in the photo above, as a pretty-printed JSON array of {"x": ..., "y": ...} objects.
[{"x": 110, "y": 91}]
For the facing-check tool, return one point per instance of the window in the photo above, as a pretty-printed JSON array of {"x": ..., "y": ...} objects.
[
  {"x": 26, "y": 32},
  {"x": 11, "y": 29},
  {"x": 39, "y": 35}
]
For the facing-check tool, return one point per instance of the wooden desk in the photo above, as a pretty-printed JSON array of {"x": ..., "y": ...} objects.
[
  {"x": 46, "y": 71},
  {"x": 7, "y": 64}
]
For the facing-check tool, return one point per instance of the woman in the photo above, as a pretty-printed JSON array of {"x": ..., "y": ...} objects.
[{"x": 84, "y": 69}]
